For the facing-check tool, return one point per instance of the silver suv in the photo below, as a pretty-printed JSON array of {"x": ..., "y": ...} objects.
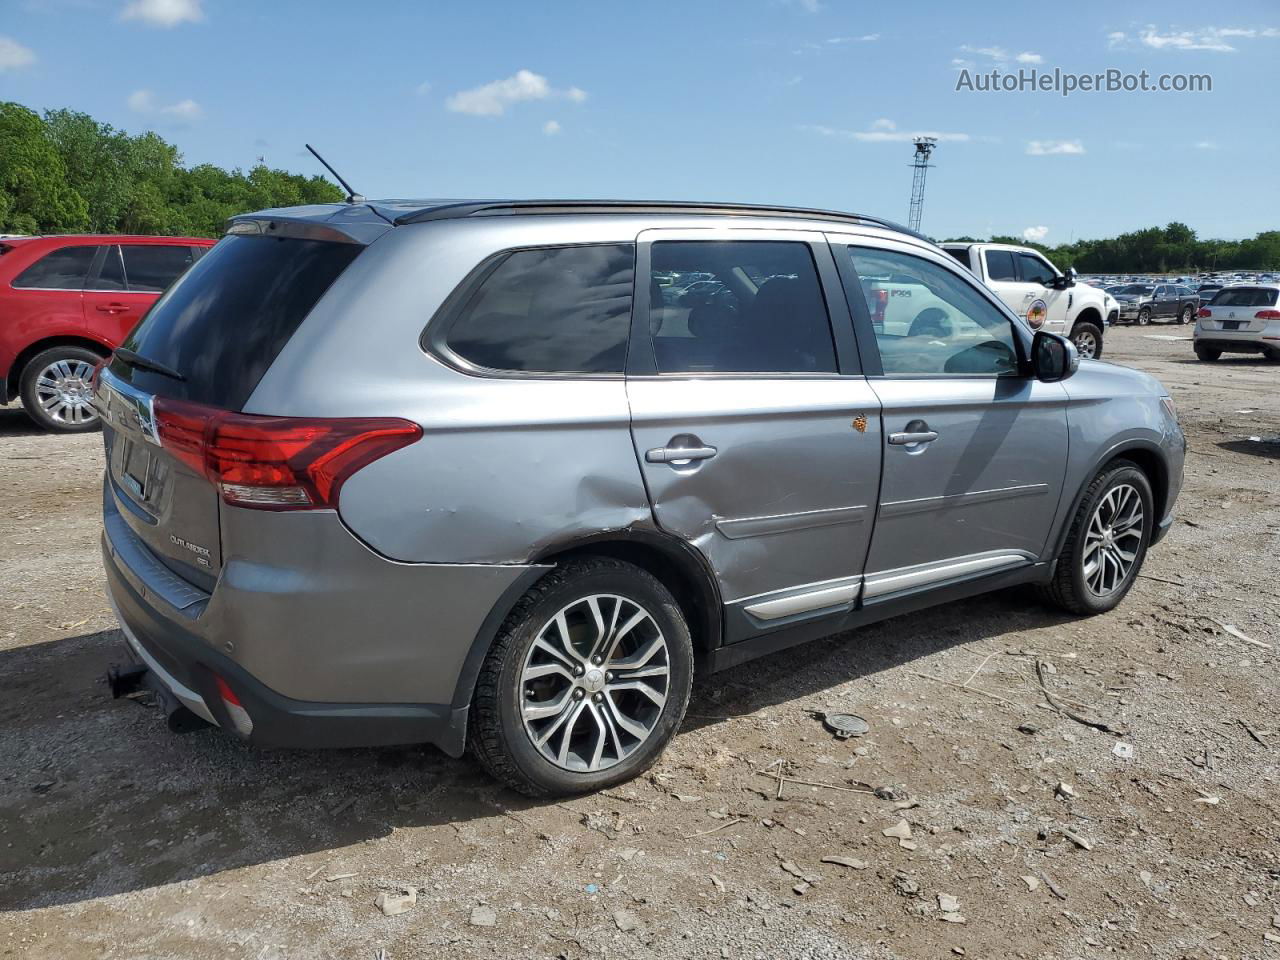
[{"x": 505, "y": 475}]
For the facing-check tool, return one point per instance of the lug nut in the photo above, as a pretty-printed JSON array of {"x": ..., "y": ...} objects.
[
  {"x": 577, "y": 671},
  {"x": 579, "y": 694},
  {"x": 608, "y": 677},
  {"x": 597, "y": 660},
  {"x": 598, "y": 697}
]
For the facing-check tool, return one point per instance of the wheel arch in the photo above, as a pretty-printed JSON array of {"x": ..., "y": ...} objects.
[
  {"x": 676, "y": 564},
  {"x": 1146, "y": 456},
  {"x": 1089, "y": 314},
  {"x": 24, "y": 356}
]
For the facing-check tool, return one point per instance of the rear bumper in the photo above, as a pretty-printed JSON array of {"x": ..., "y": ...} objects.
[
  {"x": 1233, "y": 342},
  {"x": 187, "y": 666},
  {"x": 323, "y": 642}
]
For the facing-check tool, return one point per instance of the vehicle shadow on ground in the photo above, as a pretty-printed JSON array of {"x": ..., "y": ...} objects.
[
  {"x": 98, "y": 798},
  {"x": 1266, "y": 447},
  {"x": 14, "y": 422}
]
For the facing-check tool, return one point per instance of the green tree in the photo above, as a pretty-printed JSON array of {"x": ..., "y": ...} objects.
[{"x": 34, "y": 193}]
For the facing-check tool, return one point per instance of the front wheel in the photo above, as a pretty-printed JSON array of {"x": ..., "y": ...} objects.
[
  {"x": 55, "y": 389},
  {"x": 586, "y": 683},
  {"x": 1207, "y": 353},
  {"x": 1144, "y": 316},
  {"x": 1106, "y": 544},
  {"x": 1185, "y": 316},
  {"x": 1088, "y": 341}
]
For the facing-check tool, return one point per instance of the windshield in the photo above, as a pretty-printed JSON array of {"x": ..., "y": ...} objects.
[{"x": 1136, "y": 288}]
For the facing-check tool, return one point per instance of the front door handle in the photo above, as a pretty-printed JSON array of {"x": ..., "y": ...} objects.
[
  {"x": 112, "y": 308},
  {"x": 918, "y": 436},
  {"x": 678, "y": 454}
]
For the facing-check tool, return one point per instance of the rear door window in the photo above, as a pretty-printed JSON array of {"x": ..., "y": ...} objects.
[
  {"x": 61, "y": 269},
  {"x": 554, "y": 310},
  {"x": 110, "y": 272},
  {"x": 228, "y": 317},
  {"x": 152, "y": 267},
  {"x": 761, "y": 311},
  {"x": 1000, "y": 265}
]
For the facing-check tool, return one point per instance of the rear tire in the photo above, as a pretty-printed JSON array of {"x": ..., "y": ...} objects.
[
  {"x": 1186, "y": 315},
  {"x": 610, "y": 729},
  {"x": 54, "y": 387},
  {"x": 1088, "y": 340},
  {"x": 1114, "y": 521},
  {"x": 1272, "y": 355},
  {"x": 1208, "y": 354},
  {"x": 1144, "y": 316}
]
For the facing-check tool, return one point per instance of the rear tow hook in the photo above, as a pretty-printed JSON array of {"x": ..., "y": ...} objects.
[{"x": 138, "y": 678}]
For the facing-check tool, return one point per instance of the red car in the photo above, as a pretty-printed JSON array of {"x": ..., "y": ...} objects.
[{"x": 68, "y": 301}]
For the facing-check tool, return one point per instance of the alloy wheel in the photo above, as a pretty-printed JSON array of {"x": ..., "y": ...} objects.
[
  {"x": 1144, "y": 317},
  {"x": 1113, "y": 540},
  {"x": 64, "y": 393},
  {"x": 1086, "y": 344},
  {"x": 1185, "y": 317},
  {"x": 594, "y": 683}
]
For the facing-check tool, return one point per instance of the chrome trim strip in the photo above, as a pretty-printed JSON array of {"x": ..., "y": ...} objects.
[
  {"x": 804, "y": 599},
  {"x": 188, "y": 697},
  {"x": 901, "y": 508},
  {"x": 928, "y": 574},
  {"x": 741, "y": 527}
]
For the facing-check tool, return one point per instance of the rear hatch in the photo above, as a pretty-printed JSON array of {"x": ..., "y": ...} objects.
[
  {"x": 196, "y": 356},
  {"x": 1240, "y": 309}
]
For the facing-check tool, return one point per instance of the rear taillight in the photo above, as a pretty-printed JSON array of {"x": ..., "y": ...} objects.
[
  {"x": 1205, "y": 312},
  {"x": 882, "y": 303},
  {"x": 276, "y": 463},
  {"x": 97, "y": 369},
  {"x": 1267, "y": 315}
]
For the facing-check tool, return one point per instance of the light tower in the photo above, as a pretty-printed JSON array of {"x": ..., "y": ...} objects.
[{"x": 921, "y": 165}]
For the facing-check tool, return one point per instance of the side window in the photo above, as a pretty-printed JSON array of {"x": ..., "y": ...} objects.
[
  {"x": 1000, "y": 265},
  {"x": 962, "y": 255},
  {"x": 150, "y": 268},
  {"x": 1161, "y": 292},
  {"x": 738, "y": 306},
  {"x": 930, "y": 321},
  {"x": 1031, "y": 269},
  {"x": 62, "y": 269},
  {"x": 553, "y": 310},
  {"x": 111, "y": 273}
]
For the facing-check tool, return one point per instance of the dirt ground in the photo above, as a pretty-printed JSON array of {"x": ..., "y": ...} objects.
[{"x": 119, "y": 839}]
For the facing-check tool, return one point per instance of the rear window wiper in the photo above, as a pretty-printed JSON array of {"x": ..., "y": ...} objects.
[{"x": 144, "y": 363}]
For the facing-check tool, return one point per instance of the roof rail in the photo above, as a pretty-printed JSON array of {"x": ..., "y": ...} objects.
[{"x": 496, "y": 208}]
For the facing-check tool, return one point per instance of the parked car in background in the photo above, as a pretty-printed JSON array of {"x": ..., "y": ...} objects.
[
  {"x": 1143, "y": 302},
  {"x": 1035, "y": 290},
  {"x": 65, "y": 303},
  {"x": 513, "y": 500},
  {"x": 1240, "y": 319}
]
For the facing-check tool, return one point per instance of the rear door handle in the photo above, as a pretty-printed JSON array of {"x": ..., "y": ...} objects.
[
  {"x": 112, "y": 308},
  {"x": 919, "y": 436},
  {"x": 678, "y": 454}
]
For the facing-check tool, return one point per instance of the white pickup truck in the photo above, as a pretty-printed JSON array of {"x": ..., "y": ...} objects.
[{"x": 1034, "y": 288}]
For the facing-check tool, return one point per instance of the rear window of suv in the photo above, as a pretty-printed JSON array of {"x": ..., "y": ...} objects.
[
  {"x": 227, "y": 318},
  {"x": 1245, "y": 297}
]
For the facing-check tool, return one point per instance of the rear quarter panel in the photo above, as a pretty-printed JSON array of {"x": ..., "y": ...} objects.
[{"x": 507, "y": 467}]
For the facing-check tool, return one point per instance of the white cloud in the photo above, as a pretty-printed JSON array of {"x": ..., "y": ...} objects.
[
  {"x": 1206, "y": 145},
  {"x": 163, "y": 13},
  {"x": 996, "y": 55},
  {"x": 1035, "y": 234},
  {"x": 808, "y": 6},
  {"x": 144, "y": 101},
  {"x": 551, "y": 128},
  {"x": 886, "y": 131},
  {"x": 492, "y": 99},
  {"x": 1050, "y": 148},
  {"x": 1214, "y": 39},
  {"x": 13, "y": 55},
  {"x": 423, "y": 88}
]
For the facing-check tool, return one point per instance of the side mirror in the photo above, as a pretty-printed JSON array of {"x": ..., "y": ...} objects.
[
  {"x": 1071, "y": 276},
  {"x": 1053, "y": 358}
]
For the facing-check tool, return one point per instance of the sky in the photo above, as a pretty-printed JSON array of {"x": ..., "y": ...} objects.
[{"x": 800, "y": 102}]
